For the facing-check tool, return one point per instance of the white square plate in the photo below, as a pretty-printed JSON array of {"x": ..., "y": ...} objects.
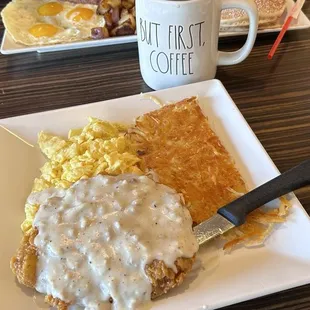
[
  {"x": 8, "y": 45},
  {"x": 218, "y": 279}
]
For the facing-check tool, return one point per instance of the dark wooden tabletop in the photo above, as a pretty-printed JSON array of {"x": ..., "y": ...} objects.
[{"x": 274, "y": 97}]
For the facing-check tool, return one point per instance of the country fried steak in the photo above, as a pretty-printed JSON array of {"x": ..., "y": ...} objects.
[{"x": 162, "y": 278}]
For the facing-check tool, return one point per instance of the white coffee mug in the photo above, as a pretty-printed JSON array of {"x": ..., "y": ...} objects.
[{"x": 178, "y": 40}]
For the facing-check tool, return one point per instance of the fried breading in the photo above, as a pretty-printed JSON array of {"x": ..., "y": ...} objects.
[
  {"x": 177, "y": 143},
  {"x": 161, "y": 277},
  {"x": 24, "y": 263},
  {"x": 56, "y": 302}
]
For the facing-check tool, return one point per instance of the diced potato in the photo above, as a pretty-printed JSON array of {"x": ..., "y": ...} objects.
[
  {"x": 98, "y": 33},
  {"x": 128, "y": 4},
  {"x": 128, "y": 19},
  {"x": 114, "y": 3},
  {"x": 103, "y": 7},
  {"x": 123, "y": 30}
]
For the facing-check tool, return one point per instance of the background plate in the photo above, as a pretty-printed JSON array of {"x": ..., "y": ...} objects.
[
  {"x": 8, "y": 46},
  {"x": 218, "y": 279}
]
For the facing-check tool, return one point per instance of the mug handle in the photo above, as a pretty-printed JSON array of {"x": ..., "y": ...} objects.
[{"x": 232, "y": 58}]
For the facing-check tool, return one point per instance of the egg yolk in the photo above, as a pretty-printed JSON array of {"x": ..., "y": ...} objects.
[
  {"x": 80, "y": 14},
  {"x": 43, "y": 30},
  {"x": 50, "y": 9}
]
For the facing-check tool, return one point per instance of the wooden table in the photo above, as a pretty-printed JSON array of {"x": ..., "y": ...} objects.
[{"x": 274, "y": 97}]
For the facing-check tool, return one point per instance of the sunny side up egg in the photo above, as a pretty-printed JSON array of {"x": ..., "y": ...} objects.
[{"x": 48, "y": 22}]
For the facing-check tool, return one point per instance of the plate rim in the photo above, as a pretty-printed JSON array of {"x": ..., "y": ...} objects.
[
  {"x": 130, "y": 39},
  {"x": 210, "y": 83}
]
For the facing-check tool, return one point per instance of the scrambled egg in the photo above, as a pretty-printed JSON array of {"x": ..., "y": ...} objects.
[{"x": 98, "y": 148}]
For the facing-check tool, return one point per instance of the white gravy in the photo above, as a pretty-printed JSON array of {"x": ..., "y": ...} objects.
[{"x": 96, "y": 238}]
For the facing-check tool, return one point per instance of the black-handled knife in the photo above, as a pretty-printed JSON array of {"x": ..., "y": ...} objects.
[{"x": 234, "y": 214}]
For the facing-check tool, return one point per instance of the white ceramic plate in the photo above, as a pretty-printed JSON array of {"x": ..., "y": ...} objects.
[
  {"x": 8, "y": 46},
  {"x": 218, "y": 279}
]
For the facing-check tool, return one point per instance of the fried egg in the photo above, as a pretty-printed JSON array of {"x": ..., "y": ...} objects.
[{"x": 44, "y": 22}]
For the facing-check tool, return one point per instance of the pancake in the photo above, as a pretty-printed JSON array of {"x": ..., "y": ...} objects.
[
  {"x": 269, "y": 11},
  {"x": 263, "y": 24}
]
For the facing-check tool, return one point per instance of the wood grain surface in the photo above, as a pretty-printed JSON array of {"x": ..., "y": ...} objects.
[{"x": 273, "y": 96}]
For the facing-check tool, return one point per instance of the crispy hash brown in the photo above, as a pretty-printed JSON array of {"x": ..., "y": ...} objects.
[{"x": 177, "y": 143}]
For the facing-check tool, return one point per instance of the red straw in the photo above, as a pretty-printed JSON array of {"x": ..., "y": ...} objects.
[
  {"x": 292, "y": 14},
  {"x": 280, "y": 37}
]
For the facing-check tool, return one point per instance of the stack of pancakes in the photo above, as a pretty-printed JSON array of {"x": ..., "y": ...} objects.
[{"x": 269, "y": 12}]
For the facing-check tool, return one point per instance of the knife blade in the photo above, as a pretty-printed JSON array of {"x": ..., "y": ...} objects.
[
  {"x": 234, "y": 214},
  {"x": 211, "y": 228}
]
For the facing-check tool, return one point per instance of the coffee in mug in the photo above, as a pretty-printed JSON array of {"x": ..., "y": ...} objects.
[{"x": 178, "y": 40}]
